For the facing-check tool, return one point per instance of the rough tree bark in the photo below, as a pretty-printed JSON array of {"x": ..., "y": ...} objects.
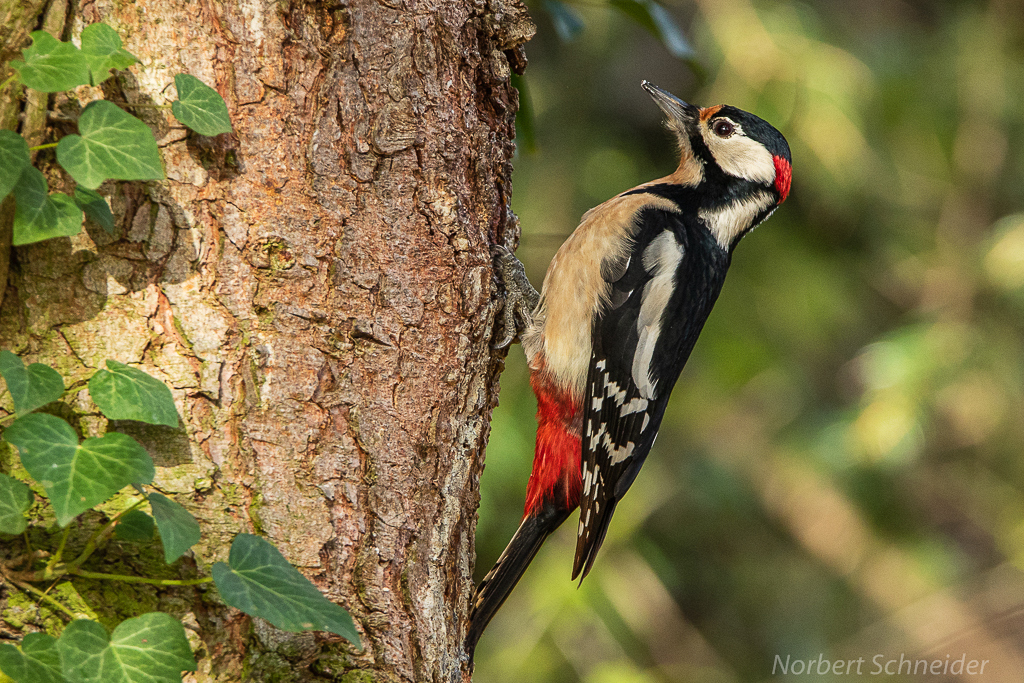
[{"x": 316, "y": 287}]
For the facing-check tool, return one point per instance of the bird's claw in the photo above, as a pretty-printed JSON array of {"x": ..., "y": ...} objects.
[
  {"x": 513, "y": 307},
  {"x": 520, "y": 297}
]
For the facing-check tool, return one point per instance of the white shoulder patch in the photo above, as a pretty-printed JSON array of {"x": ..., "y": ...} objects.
[
  {"x": 575, "y": 290},
  {"x": 661, "y": 259}
]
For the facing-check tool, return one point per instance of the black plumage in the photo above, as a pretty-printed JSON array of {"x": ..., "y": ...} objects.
[{"x": 702, "y": 266}]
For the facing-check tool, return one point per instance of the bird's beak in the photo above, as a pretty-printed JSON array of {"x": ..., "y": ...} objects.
[
  {"x": 682, "y": 119},
  {"x": 677, "y": 111}
]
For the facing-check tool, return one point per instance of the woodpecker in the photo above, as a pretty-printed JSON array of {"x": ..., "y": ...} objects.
[{"x": 622, "y": 304}]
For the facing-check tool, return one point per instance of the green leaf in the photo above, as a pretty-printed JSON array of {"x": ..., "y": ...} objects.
[
  {"x": 147, "y": 649},
  {"x": 14, "y": 157},
  {"x": 126, "y": 393},
  {"x": 179, "y": 530},
  {"x": 38, "y": 660},
  {"x": 657, "y": 20},
  {"x": 31, "y": 387},
  {"x": 261, "y": 583},
  {"x": 200, "y": 107},
  {"x": 77, "y": 476},
  {"x": 39, "y": 215},
  {"x": 15, "y": 498},
  {"x": 95, "y": 207},
  {"x": 567, "y": 21},
  {"x": 50, "y": 65},
  {"x": 135, "y": 525},
  {"x": 102, "y": 49},
  {"x": 112, "y": 144}
]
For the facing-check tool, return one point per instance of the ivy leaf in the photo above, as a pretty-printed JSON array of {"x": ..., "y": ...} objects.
[
  {"x": 102, "y": 49},
  {"x": 50, "y": 65},
  {"x": 39, "y": 215},
  {"x": 37, "y": 661},
  {"x": 126, "y": 393},
  {"x": 179, "y": 530},
  {"x": 200, "y": 107},
  {"x": 14, "y": 157},
  {"x": 261, "y": 583},
  {"x": 31, "y": 387},
  {"x": 147, "y": 649},
  {"x": 15, "y": 498},
  {"x": 77, "y": 476},
  {"x": 112, "y": 144},
  {"x": 567, "y": 21},
  {"x": 135, "y": 525},
  {"x": 95, "y": 208}
]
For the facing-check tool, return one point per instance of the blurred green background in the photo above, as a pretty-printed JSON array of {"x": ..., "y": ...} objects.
[{"x": 840, "y": 473}]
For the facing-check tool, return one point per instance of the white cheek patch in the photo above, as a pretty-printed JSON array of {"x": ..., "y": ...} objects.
[
  {"x": 661, "y": 258},
  {"x": 740, "y": 156}
]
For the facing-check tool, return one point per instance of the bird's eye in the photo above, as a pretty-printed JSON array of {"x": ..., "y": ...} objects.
[{"x": 723, "y": 128}]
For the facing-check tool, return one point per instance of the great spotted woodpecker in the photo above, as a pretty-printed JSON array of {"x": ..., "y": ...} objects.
[{"x": 623, "y": 302}]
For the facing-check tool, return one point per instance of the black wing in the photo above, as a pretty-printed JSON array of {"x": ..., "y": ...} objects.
[{"x": 660, "y": 298}]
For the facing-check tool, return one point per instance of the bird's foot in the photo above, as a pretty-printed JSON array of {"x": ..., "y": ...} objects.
[{"x": 520, "y": 296}]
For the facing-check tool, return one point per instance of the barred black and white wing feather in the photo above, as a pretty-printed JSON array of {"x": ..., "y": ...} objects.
[{"x": 641, "y": 341}]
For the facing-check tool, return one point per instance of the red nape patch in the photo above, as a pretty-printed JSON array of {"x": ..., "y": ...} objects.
[
  {"x": 556, "y": 462},
  {"x": 783, "y": 177}
]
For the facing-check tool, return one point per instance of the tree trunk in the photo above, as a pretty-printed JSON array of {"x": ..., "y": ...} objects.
[{"x": 316, "y": 288}]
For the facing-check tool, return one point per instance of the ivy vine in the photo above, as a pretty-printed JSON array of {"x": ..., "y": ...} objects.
[
  {"x": 111, "y": 144},
  {"x": 71, "y": 475}
]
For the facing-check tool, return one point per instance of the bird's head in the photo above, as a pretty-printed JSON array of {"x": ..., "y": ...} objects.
[{"x": 731, "y": 156}]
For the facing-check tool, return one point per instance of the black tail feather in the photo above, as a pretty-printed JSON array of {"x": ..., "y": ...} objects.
[
  {"x": 506, "y": 572},
  {"x": 587, "y": 546}
]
